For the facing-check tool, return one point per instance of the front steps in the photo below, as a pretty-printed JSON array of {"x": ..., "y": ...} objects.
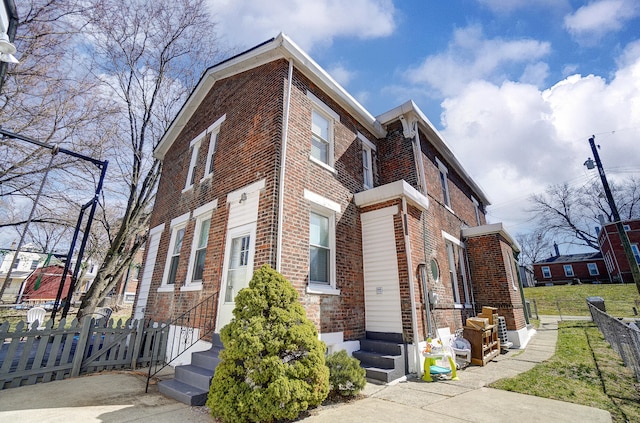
[
  {"x": 382, "y": 355},
  {"x": 191, "y": 382}
]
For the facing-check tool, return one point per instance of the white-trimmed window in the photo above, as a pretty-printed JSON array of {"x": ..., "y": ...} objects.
[
  {"x": 546, "y": 272},
  {"x": 199, "y": 245},
  {"x": 453, "y": 274},
  {"x": 34, "y": 264},
  {"x": 568, "y": 270},
  {"x": 636, "y": 252},
  {"x": 322, "y": 244},
  {"x": 444, "y": 182},
  {"x": 476, "y": 208},
  {"x": 608, "y": 261},
  {"x": 213, "y": 130},
  {"x": 593, "y": 269},
  {"x": 195, "y": 149},
  {"x": 178, "y": 226},
  {"x": 367, "y": 161},
  {"x": 322, "y": 132}
]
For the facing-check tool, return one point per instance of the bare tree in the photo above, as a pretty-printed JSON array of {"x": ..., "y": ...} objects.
[
  {"x": 534, "y": 246},
  {"x": 149, "y": 55},
  {"x": 573, "y": 213}
]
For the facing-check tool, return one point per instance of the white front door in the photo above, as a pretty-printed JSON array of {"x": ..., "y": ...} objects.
[
  {"x": 237, "y": 271},
  {"x": 381, "y": 280}
]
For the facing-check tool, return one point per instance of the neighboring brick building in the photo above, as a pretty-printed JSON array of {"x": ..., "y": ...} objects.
[
  {"x": 571, "y": 269},
  {"x": 613, "y": 252},
  {"x": 271, "y": 161}
]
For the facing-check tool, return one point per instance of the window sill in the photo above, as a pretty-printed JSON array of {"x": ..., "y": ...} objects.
[
  {"x": 166, "y": 288},
  {"x": 458, "y": 306},
  {"x": 206, "y": 178},
  {"x": 196, "y": 286},
  {"x": 187, "y": 189},
  {"x": 323, "y": 165},
  {"x": 322, "y": 290}
]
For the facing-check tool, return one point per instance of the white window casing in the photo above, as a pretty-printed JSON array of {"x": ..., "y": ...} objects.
[
  {"x": 444, "y": 182},
  {"x": 202, "y": 215},
  {"x": 178, "y": 227},
  {"x": 367, "y": 161},
  {"x": 322, "y": 128},
  {"x": 213, "y": 132},
  {"x": 322, "y": 244},
  {"x": 546, "y": 271}
]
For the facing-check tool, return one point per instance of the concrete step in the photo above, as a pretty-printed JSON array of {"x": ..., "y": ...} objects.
[
  {"x": 183, "y": 392},
  {"x": 382, "y": 347},
  {"x": 382, "y": 361},
  {"x": 385, "y": 336},
  {"x": 383, "y": 375},
  {"x": 208, "y": 359},
  {"x": 199, "y": 377}
]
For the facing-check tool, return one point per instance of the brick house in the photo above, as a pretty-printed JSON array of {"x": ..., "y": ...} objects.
[
  {"x": 615, "y": 258},
  {"x": 570, "y": 269},
  {"x": 271, "y": 161}
]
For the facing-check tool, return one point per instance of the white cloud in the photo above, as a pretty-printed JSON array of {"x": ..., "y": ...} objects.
[
  {"x": 516, "y": 139},
  {"x": 507, "y": 6},
  {"x": 471, "y": 57},
  {"x": 589, "y": 23},
  {"x": 309, "y": 23},
  {"x": 341, "y": 74}
]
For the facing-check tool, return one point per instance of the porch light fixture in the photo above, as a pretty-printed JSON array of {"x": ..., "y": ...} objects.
[{"x": 7, "y": 49}]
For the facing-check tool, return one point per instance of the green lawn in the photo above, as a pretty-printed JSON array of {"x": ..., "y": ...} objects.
[
  {"x": 584, "y": 370},
  {"x": 570, "y": 300}
]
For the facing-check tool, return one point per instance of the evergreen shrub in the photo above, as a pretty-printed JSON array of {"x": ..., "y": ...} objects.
[
  {"x": 346, "y": 377},
  {"x": 273, "y": 364}
]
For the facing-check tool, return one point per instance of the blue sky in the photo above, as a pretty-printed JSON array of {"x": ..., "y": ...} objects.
[{"x": 516, "y": 87}]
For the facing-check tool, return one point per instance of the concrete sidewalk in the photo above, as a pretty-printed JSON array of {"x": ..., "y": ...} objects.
[{"x": 120, "y": 397}]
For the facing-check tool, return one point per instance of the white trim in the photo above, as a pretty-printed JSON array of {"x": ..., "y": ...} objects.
[
  {"x": 248, "y": 189},
  {"x": 193, "y": 161},
  {"x": 180, "y": 219},
  {"x": 452, "y": 238},
  {"x": 201, "y": 214},
  {"x": 321, "y": 201},
  {"x": 366, "y": 142},
  {"x": 177, "y": 223},
  {"x": 494, "y": 228},
  {"x": 210, "y": 206},
  {"x": 330, "y": 287},
  {"x": 217, "y": 123},
  {"x": 323, "y": 107},
  {"x": 398, "y": 189}
]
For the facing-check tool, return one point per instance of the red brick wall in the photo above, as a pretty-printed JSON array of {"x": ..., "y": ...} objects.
[
  {"x": 580, "y": 270},
  {"x": 610, "y": 241},
  {"x": 494, "y": 285}
]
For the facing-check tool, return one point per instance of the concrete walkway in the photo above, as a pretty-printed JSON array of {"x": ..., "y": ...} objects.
[{"x": 120, "y": 397}]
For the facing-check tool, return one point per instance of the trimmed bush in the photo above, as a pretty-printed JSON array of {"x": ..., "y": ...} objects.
[
  {"x": 273, "y": 364},
  {"x": 346, "y": 377}
]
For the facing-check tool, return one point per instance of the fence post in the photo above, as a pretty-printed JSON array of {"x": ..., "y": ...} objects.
[
  {"x": 535, "y": 307},
  {"x": 80, "y": 346},
  {"x": 139, "y": 336}
]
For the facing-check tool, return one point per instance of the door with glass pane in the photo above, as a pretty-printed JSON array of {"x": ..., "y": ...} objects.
[{"x": 237, "y": 271}]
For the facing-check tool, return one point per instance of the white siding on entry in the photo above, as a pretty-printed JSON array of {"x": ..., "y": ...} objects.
[{"x": 381, "y": 282}]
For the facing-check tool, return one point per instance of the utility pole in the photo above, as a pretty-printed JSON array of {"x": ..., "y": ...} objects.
[{"x": 626, "y": 244}]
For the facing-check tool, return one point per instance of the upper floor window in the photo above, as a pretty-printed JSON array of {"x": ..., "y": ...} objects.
[
  {"x": 476, "y": 208},
  {"x": 322, "y": 134},
  {"x": 444, "y": 183},
  {"x": 367, "y": 161},
  {"x": 34, "y": 264},
  {"x": 593, "y": 269},
  {"x": 636, "y": 252},
  {"x": 195, "y": 149},
  {"x": 546, "y": 272},
  {"x": 16, "y": 264},
  {"x": 568, "y": 270},
  {"x": 214, "y": 130}
]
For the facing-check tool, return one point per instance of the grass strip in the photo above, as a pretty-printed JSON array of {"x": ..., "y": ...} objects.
[{"x": 584, "y": 370}]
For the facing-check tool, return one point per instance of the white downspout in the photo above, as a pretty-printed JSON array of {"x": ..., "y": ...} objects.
[
  {"x": 412, "y": 289},
  {"x": 283, "y": 161}
]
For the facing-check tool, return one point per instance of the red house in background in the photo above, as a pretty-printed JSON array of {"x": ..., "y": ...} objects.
[
  {"x": 571, "y": 268},
  {"x": 613, "y": 253}
]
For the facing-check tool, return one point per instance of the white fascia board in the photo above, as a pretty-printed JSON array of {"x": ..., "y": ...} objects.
[
  {"x": 397, "y": 189},
  {"x": 494, "y": 228},
  {"x": 435, "y": 138},
  {"x": 279, "y": 47}
]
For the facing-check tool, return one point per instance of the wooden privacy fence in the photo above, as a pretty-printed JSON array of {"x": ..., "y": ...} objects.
[{"x": 29, "y": 355}]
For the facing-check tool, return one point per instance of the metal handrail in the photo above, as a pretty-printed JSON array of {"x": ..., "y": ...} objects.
[{"x": 199, "y": 317}]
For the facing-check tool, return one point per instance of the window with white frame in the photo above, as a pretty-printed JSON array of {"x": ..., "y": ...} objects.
[
  {"x": 322, "y": 244},
  {"x": 453, "y": 274},
  {"x": 213, "y": 130},
  {"x": 593, "y": 269},
  {"x": 476, "y": 208},
  {"x": 367, "y": 161},
  {"x": 178, "y": 226},
  {"x": 608, "y": 261},
  {"x": 636, "y": 252},
  {"x": 195, "y": 149},
  {"x": 323, "y": 119},
  {"x": 546, "y": 272},
  {"x": 34, "y": 264},
  {"x": 444, "y": 182},
  {"x": 199, "y": 244},
  {"x": 568, "y": 270}
]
